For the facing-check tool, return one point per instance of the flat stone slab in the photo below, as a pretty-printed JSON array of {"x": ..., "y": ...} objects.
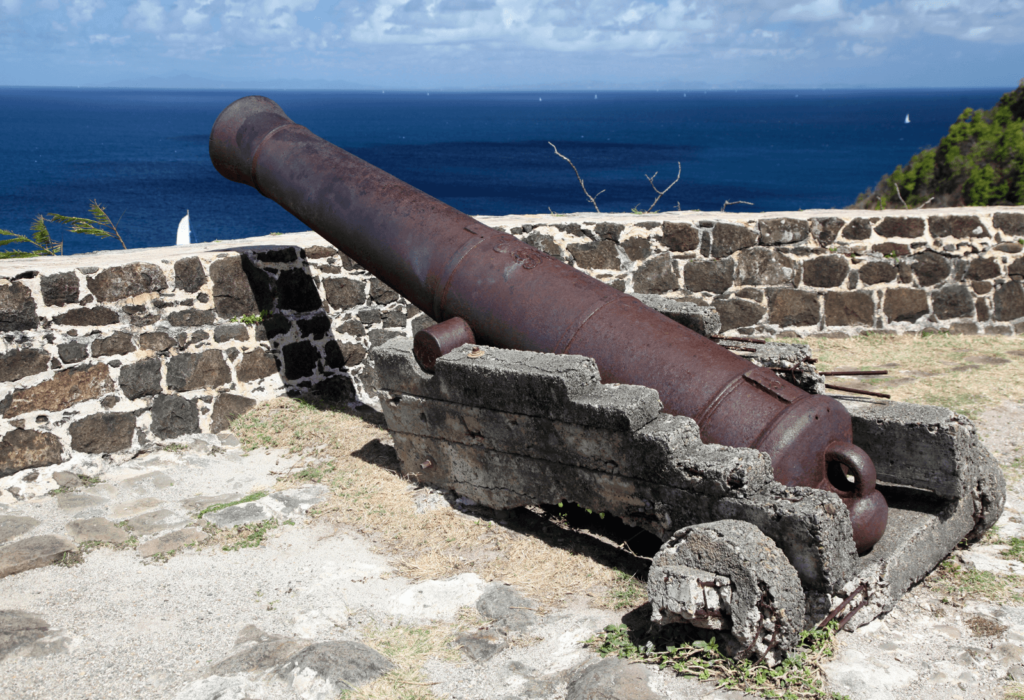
[
  {"x": 612, "y": 679},
  {"x": 154, "y": 522},
  {"x": 197, "y": 503},
  {"x": 344, "y": 664},
  {"x": 32, "y": 553},
  {"x": 438, "y": 600},
  {"x": 295, "y": 502},
  {"x": 19, "y": 628},
  {"x": 172, "y": 541},
  {"x": 509, "y": 607},
  {"x": 12, "y": 526},
  {"x": 96, "y": 530},
  {"x": 78, "y": 501},
  {"x": 122, "y": 511},
  {"x": 147, "y": 483},
  {"x": 242, "y": 514}
]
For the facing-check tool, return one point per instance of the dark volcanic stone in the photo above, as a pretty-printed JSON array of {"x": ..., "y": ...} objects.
[
  {"x": 103, "y": 433},
  {"x": 981, "y": 307},
  {"x": 379, "y": 336},
  {"x": 27, "y": 449},
  {"x": 930, "y": 268},
  {"x": 609, "y": 231},
  {"x": 318, "y": 326},
  {"x": 481, "y": 645},
  {"x": 780, "y": 231},
  {"x": 888, "y": 248},
  {"x": 343, "y": 293},
  {"x": 381, "y": 293},
  {"x": 858, "y": 229},
  {"x": 338, "y": 389},
  {"x": 545, "y": 244},
  {"x": 226, "y": 408},
  {"x": 277, "y": 324},
  {"x": 981, "y": 287},
  {"x": 679, "y": 237},
  {"x": 256, "y": 365},
  {"x": 17, "y": 364},
  {"x": 1016, "y": 267},
  {"x": 825, "y": 230},
  {"x": 296, "y": 291},
  {"x": 656, "y": 276},
  {"x": 232, "y": 295},
  {"x": 900, "y": 227},
  {"x": 343, "y": 663},
  {"x": 230, "y": 331},
  {"x": 766, "y": 266},
  {"x": 114, "y": 344},
  {"x": 905, "y": 304},
  {"x": 156, "y": 341},
  {"x": 189, "y": 275},
  {"x": 18, "y": 629},
  {"x": 709, "y": 275},
  {"x": 59, "y": 289},
  {"x": 603, "y": 255},
  {"x": 612, "y": 678},
  {"x": 726, "y": 239},
  {"x": 125, "y": 281},
  {"x": 1008, "y": 302},
  {"x": 826, "y": 271},
  {"x": 141, "y": 378},
  {"x": 65, "y": 389},
  {"x": 205, "y": 370},
  {"x": 790, "y": 307},
  {"x": 277, "y": 255},
  {"x": 96, "y": 316},
  {"x": 395, "y": 318},
  {"x": 952, "y": 301},
  {"x": 191, "y": 318},
  {"x": 983, "y": 269},
  {"x": 1008, "y": 247},
  {"x": 737, "y": 313},
  {"x": 341, "y": 355},
  {"x": 877, "y": 272},
  {"x": 17, "y": 308},
  {"x": 637, "y": 248},
  {"x": 173, "y": 416},
  {"x": 1010, "y": 224},
  {"x": 849, "y": 309},
  {"x": 72, "y": 352},
  {"x": 957, "y": 226},
  {"x": 300, "y": 359}
]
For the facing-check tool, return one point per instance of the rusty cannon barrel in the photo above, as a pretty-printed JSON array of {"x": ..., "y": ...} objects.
[{"x": 513, "y": 296}]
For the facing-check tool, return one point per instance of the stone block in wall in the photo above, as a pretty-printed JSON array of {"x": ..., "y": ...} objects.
[
  {"x": 981, "y": 286},
  {"x": 92, "y": 316},
  {"x": 726, "y": 239},
  {"x": 232, "y": 295},
  {"x": 546, "y": 244},
  {"x": 227, "y": 407},
  {"x": 1008, "y": 247},
  {"x": 281, "y": 254},
  {"x": 65, "y": 389},
  {"x": 826, "y": 270},
  {"x": 637, "y": 248},
  {"x": 17, "y": 308},
  {"x": 983, "y": 269},
  {"x": 116, "y": 283},
  {"x": 297, "y": 292},
  {"x": 379, "y": 336},
  {"x": 780, "y": 231},
  {"x": 158, "y": 341},
  {"x": 341, "y": 355},
  {"x": 59, "y": 289},
  {"x": 1008, "y": 302},
  {"x": 981, "y": 308},
  {"x": 609, "y": 231},
  {"x": 141, "y": 378},
  {"x": 344, "y": 293},
  {"x": 825, "y": 230},
  {"x": 765, "y": 266},
  {"x": 114, "y": 344},
  {"x": 900, "y": 227},
  {"x": 679, "y": 237},
  {"x": 225, "y": 333},
  {"x": 738, "y": 313},
  {"x": 903, "y": 304},
  {"x": 603, "y": 255},
  {"x": 876, "y": 272},
  {"x": 103, "y": 433},
  {"x": 319, "y": 325},
  {"x": 957, "y": 227},
  {"x": 190, "y": 371},
  {"x": 255, "y": 365},
  {"x": 792, "y": 307},
  {"x": 1016, "y": 267},
  {"x": 18, "y": 364},
  {"x": 890, "y": 248},
  {"x": 189, "y": 275},
  {"x": 381, "y": 293},
  {"x": 191, "y": 318},
  {"x": 300, "y": 359},
  {"x": 952, "y": 301},
  {"x": 1011, "y": 224},
  {"x": 849, "y": 309},
  {"x": 930, "y": 268},
  {"x": 72, "y": 352},
  {"x": 858, "y": 229},
  {"x": 275, "y": 325},
  {"x": 174, "y": 416},
  {"x": 339, "y": 389},
  {"x": 709, "y": 275},
  {"x": 656, "y": 276},
  {"x": 26, "y": 449},
  {"x": 320, "y": 251}
]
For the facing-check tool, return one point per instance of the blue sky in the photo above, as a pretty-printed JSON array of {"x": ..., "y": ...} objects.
[{"x": 437, "y": 44}]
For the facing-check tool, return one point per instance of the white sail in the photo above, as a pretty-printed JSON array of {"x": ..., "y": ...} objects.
[
  {"x": 907, "y": 120},
  {"x": 184, "y": 232}
]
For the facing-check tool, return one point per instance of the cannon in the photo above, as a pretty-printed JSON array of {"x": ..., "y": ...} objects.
[{"x": 512, "y": 296}]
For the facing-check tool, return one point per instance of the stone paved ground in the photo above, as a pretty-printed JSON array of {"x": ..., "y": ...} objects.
[{"x": 162, "y": 610}]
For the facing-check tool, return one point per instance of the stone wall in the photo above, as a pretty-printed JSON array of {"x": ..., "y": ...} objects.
[{"x": 106, "y": 355}]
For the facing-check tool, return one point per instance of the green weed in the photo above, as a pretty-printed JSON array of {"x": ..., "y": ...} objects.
[{"x": 221, "y": 506}]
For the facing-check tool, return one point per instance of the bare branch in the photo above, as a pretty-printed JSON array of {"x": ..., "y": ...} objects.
[
  {"x": 727, "y": 203},
  {"x": 593, "y": 200},
  {"x": 925, "y": 203},
  {"x": 650, "y": 179},
  {"x": 897, "y": 185}
]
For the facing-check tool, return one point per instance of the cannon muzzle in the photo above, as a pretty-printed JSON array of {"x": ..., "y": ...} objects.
[{"x": 511, "y": 295}]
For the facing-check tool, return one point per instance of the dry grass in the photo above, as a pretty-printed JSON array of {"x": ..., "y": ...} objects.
[
  {"x": 408, "y": 648},
  {"x": 349, "y": 455},
  {"x": 965, "y": 373}
]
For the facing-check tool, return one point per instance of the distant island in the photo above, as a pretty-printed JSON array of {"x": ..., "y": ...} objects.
[{"x": 979, "y": 162}]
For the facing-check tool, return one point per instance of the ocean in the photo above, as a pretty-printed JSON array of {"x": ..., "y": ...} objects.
[{"x": 143, "y": 153}]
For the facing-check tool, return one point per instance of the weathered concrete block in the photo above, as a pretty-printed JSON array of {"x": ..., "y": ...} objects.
[{"x": 700, "y": 319}]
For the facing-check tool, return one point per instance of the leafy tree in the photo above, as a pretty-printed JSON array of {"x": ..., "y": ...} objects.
[{"x": 100, "y": 226}]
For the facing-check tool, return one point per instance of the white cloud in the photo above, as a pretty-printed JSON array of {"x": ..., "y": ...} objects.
[
  {"x": 147, "y": 15},
  {"x": 80, "y": 11},
  {"x": 11, "y": 6},
  {"x": 814, "y": 11},
  {"x": 107, "y": 39}
]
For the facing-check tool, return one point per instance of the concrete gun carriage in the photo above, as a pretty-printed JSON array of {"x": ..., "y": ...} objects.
[{"x": 540, "y": 384}]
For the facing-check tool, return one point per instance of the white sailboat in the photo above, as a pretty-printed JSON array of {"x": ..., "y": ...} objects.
[
  {"x": 907, "y": 119},
  {"x": 184, "y": 232}
]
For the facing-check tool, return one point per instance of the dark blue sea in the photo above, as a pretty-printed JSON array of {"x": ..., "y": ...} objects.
[{"x": 143, "y": 153}]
